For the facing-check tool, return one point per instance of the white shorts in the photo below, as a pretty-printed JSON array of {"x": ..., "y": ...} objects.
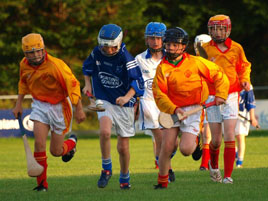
[
  {"x": 148, "y": 118},
  {"x": 53, "y": 115},
  {"x": 216, "y": 114},
  {"x": 122, "y": 118},
  {"x": 192, "y": 123},
  {"x": 242, "y": 126}
]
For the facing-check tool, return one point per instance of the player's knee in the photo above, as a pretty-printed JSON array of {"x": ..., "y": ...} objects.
[
  {"x": 122, "y": 150},
  {"x": 56, "y": 152},
  {"x": 186, "y": 150},
  {"x": 105, "y": 134}
]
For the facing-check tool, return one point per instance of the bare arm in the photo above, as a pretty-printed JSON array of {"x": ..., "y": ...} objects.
[
  {"x": 88, "y": 86},
  {"x": 18, "y": 108},
  {"x": 122, "y": 100}
]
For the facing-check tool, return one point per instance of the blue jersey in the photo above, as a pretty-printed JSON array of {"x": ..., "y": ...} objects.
[
  {"x": 113, "y": 76},
  {"x": 247, "y": 100}
]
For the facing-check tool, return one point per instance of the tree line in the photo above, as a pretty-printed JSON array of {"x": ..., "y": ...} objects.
[{"x": 70, "y": 28}]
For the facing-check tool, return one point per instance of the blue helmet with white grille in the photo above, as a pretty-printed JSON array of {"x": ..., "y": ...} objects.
[
  {"x": 110, "y": 35},
  {"x": 156, "y": 29}
]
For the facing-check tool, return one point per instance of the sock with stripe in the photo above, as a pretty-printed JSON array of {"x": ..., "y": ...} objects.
[
  {"x": 107, "y": 164},
  {"x": 205, "y": 156},
  {"x": 163, "y": 180},
  {"x": 68, "y": 145},
  {"x": 214, "y": 156},
  {"x": 124, "y": 178},
  {"x": 41, "y": 158},
  {"x": 229, "y": 158}
]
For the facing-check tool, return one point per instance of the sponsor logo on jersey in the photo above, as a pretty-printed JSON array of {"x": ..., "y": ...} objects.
[
  {"x": 107, "y": 63},
  {"x": 145, "y": 71},
  {"x": 109, "y": 80},
  {"x": 149, "y": 84}
]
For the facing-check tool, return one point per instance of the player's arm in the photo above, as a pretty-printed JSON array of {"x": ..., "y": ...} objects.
[
  {"x": 87, "y": 87},
  {"x": 160, "y": 89},
  {"x": 122, "y": 100},
  {"x": 243, "y": 70},
  {"x": 213, "y": 73},
  {"x": 18, "y": 108}
]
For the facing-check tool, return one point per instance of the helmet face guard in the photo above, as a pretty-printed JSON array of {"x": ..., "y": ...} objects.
[
  {"x": 110, "y": 35},
  {"x": 155, "y": 29},
  {"x": 33, "y": 48},
  {"x": 219, "y": 21},
  {"x": 176, "y": 35}
]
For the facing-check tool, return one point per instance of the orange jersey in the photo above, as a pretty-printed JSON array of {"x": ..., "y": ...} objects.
[
  {"x": 185, "y": 84},
  {"x": 50, "y": 82},
  {"x": 233, "y": 62}
]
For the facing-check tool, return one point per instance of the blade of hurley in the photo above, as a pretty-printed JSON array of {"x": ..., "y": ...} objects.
[
  {"x": 34, "y": 169},
  {"x": 166, "y": 120}
]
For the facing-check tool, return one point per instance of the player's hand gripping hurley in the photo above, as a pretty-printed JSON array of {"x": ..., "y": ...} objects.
[
  {"x": 168, "y": 120},
  {"x": 95, "y": 105},
  {"x": 34, "y": 169}
]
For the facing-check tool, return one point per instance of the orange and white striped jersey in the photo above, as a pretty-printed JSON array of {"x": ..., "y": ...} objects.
[
  {"x": 233, "y": 62},
  {"x": 186, "y": 83},
  {"x": 50, "y": 82}
]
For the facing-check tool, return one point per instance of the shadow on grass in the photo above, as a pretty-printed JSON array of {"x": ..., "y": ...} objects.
[{"x": 249, "y": 184}]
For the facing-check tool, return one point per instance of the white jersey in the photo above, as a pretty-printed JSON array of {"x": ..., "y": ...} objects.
[
  {"x": 148, "y": 118},
  {"x": 148, "y": 68}
]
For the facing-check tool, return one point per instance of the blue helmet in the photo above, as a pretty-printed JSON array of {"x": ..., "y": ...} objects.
[
  {"x": 156, "y": 29},
  {"x": 110, "y": 35}
]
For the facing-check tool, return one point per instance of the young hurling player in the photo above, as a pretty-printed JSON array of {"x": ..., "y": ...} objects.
[
  {"x": 247, "y": 107},
  {"x": 114, "y": 77},
  {"x": 55, "y": 90},
  {"x": 148, "y": 62},
  {"x": 230, "y": 56},
  {"x": 205, "y": 131},
  {"x": 178, "y": 86}
]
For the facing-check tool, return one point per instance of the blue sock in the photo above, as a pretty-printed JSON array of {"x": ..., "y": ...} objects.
[
  {"x": 173, "y": 154},
  {"x": 107, "y": 164},
  {"x": 124, "y": 178},
  {"x": 156, "y": 158},
  {"x": 239, "y": 162}
]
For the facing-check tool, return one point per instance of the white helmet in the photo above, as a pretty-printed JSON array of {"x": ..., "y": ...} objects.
[{"x": 200, "y": 39}]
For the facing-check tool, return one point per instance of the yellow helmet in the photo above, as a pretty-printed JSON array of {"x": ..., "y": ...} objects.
[{"x": 32, "y": 41}]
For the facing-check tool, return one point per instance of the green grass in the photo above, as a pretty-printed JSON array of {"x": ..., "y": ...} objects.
[{"x": 77, "y": 180}]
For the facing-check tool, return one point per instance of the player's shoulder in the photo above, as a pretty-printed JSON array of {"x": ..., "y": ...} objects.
[{"x": 141, "y": 56}]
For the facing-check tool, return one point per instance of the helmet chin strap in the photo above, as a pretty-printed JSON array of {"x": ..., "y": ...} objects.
[{"x": 155, "y": 50}]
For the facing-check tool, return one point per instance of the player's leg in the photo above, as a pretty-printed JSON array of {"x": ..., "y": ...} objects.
[
  {"x": 124, "y": 158},
  {"x": 157, "y": 135},
  {"x": 105, "y": 145},
  {"x": 187, "y": 143},
  {"x": 167, "y": 147},
  {"x": 40, "y": 136},
  {"x": 229, "y": 148},
  {"x": 241, "y": 146},
  {"x": 206, "y": 138},
  {"x": 230, "y": 115}
]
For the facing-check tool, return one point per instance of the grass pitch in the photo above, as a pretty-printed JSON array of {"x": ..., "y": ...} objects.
[{"x": 77, "y": 180}]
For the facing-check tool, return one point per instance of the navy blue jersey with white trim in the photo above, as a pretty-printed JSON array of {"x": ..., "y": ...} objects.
[{"x": 113, "y": 76}]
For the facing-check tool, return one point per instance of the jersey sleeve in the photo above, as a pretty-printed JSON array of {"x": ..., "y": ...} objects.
[
  {"x": 134, "y": 73},
  {"x": 243, "y": 67},
  {"x": 213, "y": 73},
  {"x": 88, "y": 65},
  {"x": 250, "y": 100},
  {"x": 69, "y": 82},
  {"x": 160, "y": 90}
]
